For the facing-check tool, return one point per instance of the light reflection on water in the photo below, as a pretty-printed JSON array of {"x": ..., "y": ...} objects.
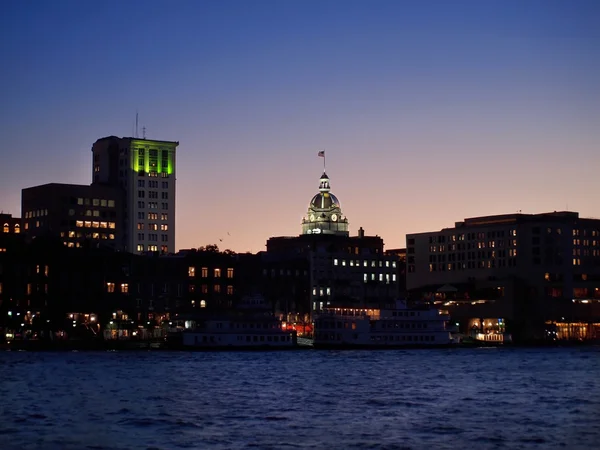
[{"x": 419, "y": 399}]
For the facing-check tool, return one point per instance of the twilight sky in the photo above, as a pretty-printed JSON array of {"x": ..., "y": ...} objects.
[{"x": 429, "y": 111}]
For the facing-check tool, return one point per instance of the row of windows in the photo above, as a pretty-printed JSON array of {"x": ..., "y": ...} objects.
[
  {"x": 152, "y": 205},
  {"x": 492, "y": 264},
  {"x": 79, "y": 235},
  {"x": 365, "y": 263},
  {"x": 204, "y": 272},
  {"x": 16, "y": 228},
  {"x": 469, "y": 236},
  {"x": 36, "y": 213},
  {"x": 586, "y": 242},
  {"x": 151, "y": 174},
  {"x": 204, "y": 288},
  {"x": 152, "y": 248},
  {"x": 469, "y": 246},
  {"x": 153, "y": 226},
  {"x": 248, "y": 338},
  {"x": 153, "y": 216},
  {"x": 283, "y": 272},
  {"x": 512, "y": 253},
  {"x": 153, "y": 194},
  {"x": 94, "y": 224},
  {"x": 124, "y": 289},
  {"x": 94, "y": 213},
  {"x": 153, "y": 184},
  {"x": 380, "y": 277},
  {"x": 153, "y": 237}
]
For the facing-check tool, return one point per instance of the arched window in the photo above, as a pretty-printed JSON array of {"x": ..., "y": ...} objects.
[
  {"x": 17, "y": 228},
  {"x": 202, "y": 303},
  {"x": 6, "y": 228}
]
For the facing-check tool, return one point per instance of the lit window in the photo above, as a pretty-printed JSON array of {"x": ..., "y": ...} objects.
[
  {"x": 335, "y": 262},
  {"x": 124, "y": 288},
  {"x": 229, "y": 290},
  {"x": 79, "y": 223},
  {"x": 111, "y": 225},
  {"x": 88, "y": 224},
  {"x": 6, "y": 228},
  {"x": 217, "y": 273},
  {"x": 204, "y": 272},
  {"x": 230, "y": 273},
  {"x": 17, "y": 229},
  {"x": 217, "y": 288},
  {"x": 191, "y": 271},
  {"x": 110, "y": 287},
  {"x": 202, "y": 303}
]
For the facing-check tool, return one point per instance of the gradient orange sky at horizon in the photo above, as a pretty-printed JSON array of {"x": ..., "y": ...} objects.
[{"x": 429, "y": 112}]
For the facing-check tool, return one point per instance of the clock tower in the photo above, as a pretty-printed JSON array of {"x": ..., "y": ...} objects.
[{"x": 324, "y": 213}]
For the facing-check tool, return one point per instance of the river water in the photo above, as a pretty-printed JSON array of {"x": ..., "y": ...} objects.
[{"x": 488, "y": 398}]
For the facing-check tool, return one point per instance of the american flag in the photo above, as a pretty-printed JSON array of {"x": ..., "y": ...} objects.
[{"x": 322, "y": 153}]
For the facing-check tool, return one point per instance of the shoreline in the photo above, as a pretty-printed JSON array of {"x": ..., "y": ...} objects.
[{"x": 161, "y": 346}]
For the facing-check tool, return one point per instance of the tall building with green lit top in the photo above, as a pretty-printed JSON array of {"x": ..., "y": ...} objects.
[{"x": 145, "y": 170}]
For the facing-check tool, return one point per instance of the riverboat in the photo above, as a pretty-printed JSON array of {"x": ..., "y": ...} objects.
[
  {"x": 250, "y": 326},
  {"x": 395, "y": 326}
]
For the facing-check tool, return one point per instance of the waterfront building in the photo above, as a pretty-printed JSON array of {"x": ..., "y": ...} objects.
[
  {"x": 540, "y": 272},
  {"x": 78, "y": 214},
  {"x": 47, "y": 287},
  {"x": 336, "y": 268},
  {"x": 145, "y": 171},
  {"x": 10, "y": 224}
]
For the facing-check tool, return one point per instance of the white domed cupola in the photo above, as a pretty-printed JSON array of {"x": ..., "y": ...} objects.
[{"x": 324, "y": 212}]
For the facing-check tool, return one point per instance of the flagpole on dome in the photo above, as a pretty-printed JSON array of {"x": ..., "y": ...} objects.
[{"x": 322, "y": 155}]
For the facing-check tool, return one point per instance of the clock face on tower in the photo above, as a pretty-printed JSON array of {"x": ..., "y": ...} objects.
[{"x": 334, "y": 217}]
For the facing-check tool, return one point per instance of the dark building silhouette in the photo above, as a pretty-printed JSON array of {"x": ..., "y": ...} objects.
[
  {"x": 534, "y": 274},
  {"x": 79, "y": 215}
]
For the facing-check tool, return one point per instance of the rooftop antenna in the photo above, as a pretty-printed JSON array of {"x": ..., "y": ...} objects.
[
  {"x": 136, "y": 125},
  {"x": 144, "y": 132}
]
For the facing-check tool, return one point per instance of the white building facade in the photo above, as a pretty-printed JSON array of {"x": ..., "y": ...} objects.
[{"x": 145, "y": 171}]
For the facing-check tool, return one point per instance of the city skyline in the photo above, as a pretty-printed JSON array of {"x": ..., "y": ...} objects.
[{"x": 428, "y": 113}]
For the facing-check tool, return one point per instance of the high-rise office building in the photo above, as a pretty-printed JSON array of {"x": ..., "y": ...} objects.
[{"x": 145, "y": 170}]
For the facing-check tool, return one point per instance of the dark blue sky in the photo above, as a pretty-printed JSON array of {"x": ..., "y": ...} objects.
[{"x": 429, "y": 110}]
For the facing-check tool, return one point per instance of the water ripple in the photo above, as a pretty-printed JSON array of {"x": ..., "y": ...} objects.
[{"x": 490, "y": 399}]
